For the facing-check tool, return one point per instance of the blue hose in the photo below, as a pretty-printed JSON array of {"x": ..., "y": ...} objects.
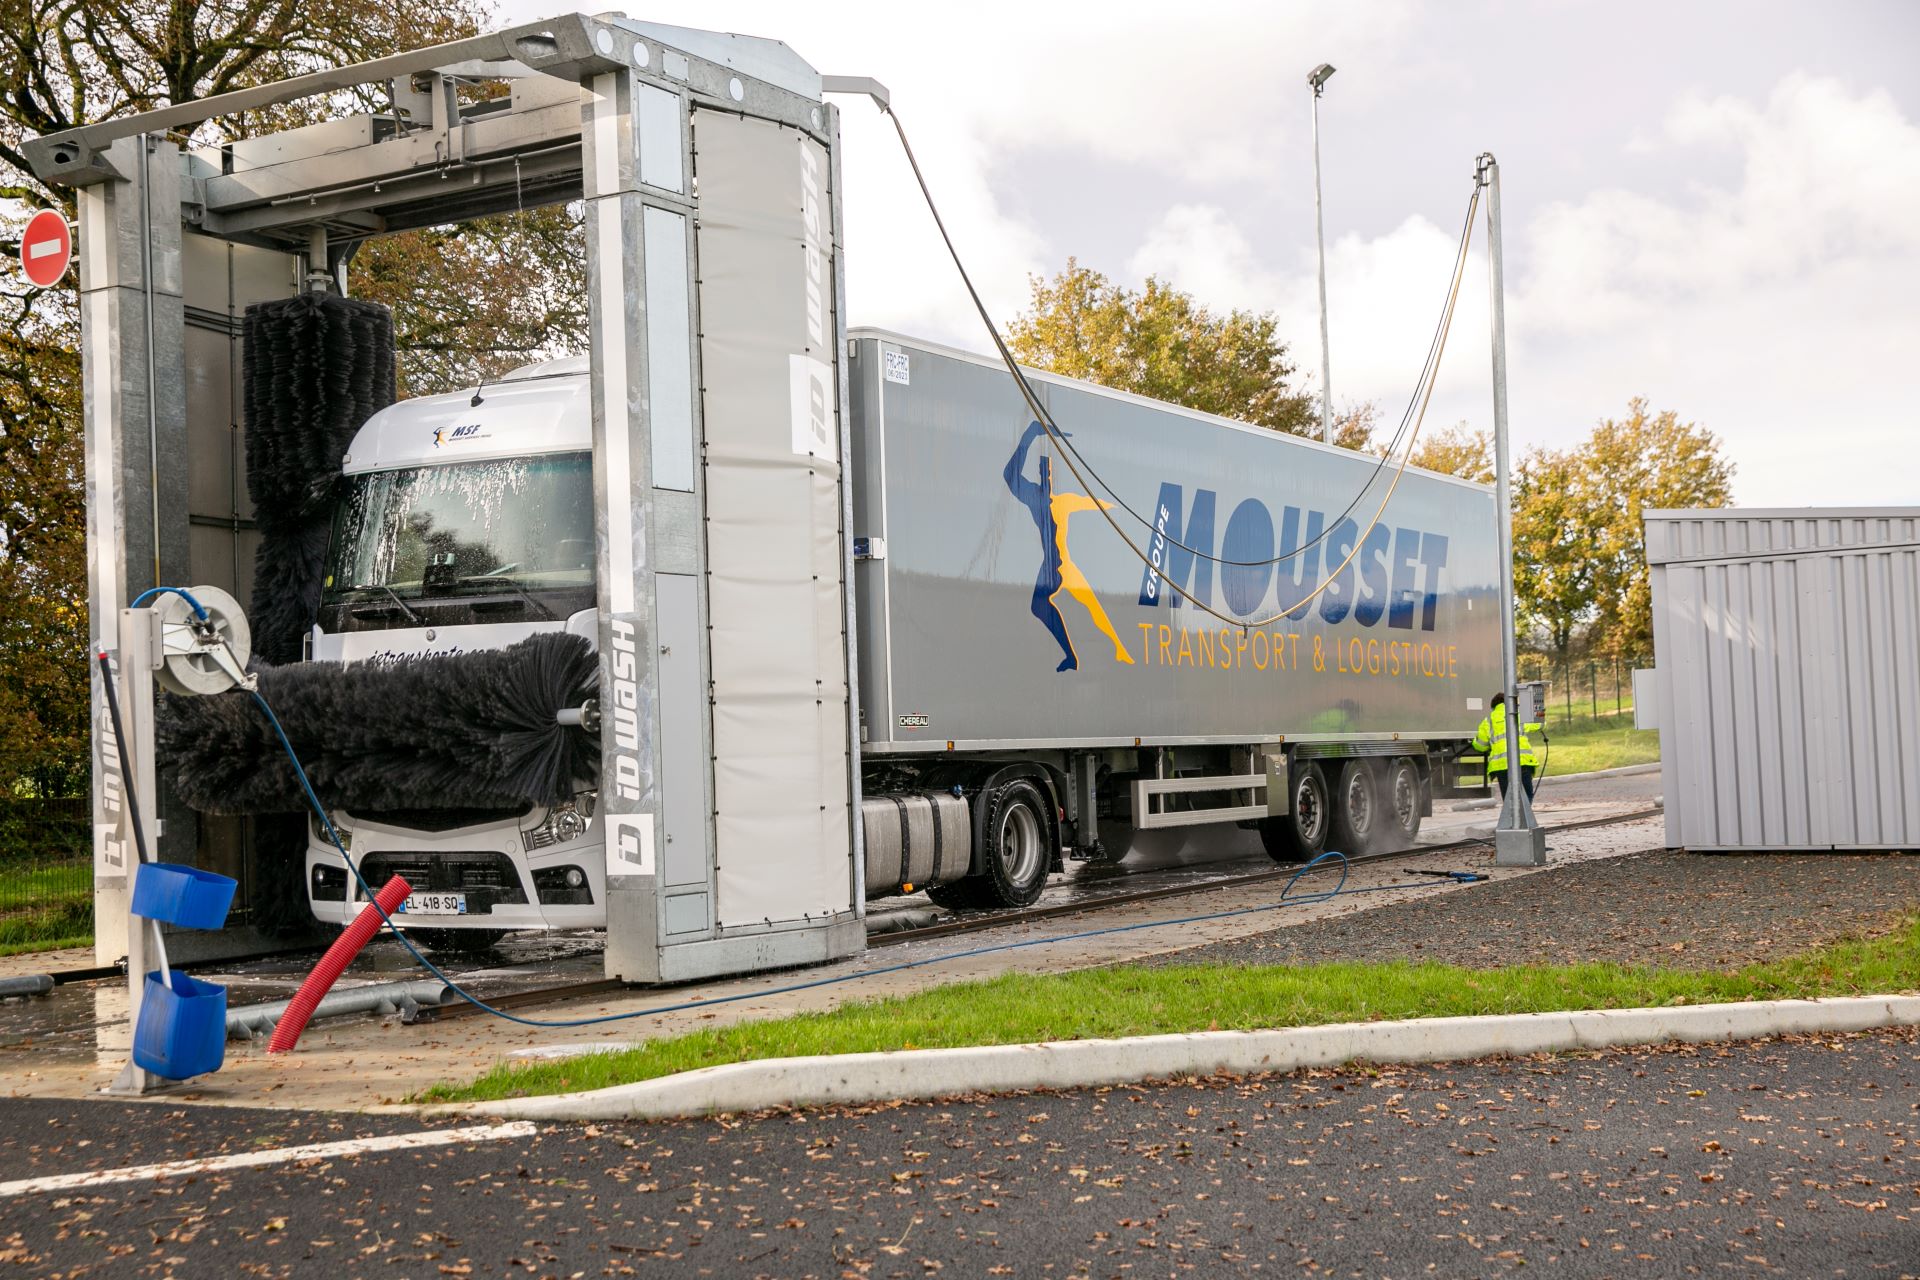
[{"x": 199, "y": 610}]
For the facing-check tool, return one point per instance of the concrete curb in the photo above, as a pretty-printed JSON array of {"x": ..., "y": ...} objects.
[{"x": 936, "y": 1073}]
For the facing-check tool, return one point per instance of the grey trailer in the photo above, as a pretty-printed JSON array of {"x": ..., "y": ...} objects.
[
  {"x": 1019, "y": 652},
  {"x": 1786, "y": 679}
]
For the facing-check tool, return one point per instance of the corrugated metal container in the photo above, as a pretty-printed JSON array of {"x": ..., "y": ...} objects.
[{"x": 1787, "y": 676}]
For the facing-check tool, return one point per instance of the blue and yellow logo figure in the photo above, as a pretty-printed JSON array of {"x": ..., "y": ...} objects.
[{"x": 1051, "y": 511}]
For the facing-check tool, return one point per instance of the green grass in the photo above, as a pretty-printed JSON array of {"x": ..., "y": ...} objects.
[
  {"x": 1582, "y": 745},
  {"x": 1100, "y": 1003},
  {"x": 46, "y": 907}
]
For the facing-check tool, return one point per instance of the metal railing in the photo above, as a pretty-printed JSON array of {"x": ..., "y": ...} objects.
[
  {"x": 46, "y": 873},
  {"x": 1583, "y": 692}
]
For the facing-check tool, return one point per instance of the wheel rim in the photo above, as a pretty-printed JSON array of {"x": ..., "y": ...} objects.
[
  {"x": 1019, "y": 842},
  {"x": 1406, "y": 797},
  {"x": 1310, "y": 810},
  {"x": 1359, "y": 801}
]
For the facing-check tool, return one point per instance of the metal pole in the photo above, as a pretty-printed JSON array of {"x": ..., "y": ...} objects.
[
  {"x": 1517, "y": 839},
  {"x": 153, "y": 388},
  {"x": 1320, "y": 235}
]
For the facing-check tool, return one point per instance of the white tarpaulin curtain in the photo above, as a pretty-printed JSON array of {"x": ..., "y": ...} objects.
[{"x": 781, "y": 821}]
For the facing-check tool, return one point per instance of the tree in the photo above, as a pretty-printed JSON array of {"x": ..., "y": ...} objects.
[
  {"x": 65, "y": 63},
  {"x": 1633, "y": 465},
  {"x": 1554, "y": 526},
  {"x": 1580, "y": 556},
  {"x": 472, "y": 301},
  {"x": 1458, "y": 450},
  {"x": 1159, "y": 342}
]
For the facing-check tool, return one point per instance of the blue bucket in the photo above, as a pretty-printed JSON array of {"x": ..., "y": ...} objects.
[
  {"x": 185, "y": 897},
  {"x": 183, "y": 1028}
]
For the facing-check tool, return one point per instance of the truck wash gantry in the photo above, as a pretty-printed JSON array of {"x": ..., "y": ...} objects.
[{"x": 729, "y": 781}]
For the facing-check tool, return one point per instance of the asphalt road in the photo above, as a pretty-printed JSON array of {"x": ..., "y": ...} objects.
[{"x": 1791, "y": 1158}]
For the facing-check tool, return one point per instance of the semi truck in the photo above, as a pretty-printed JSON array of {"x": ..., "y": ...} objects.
[{"x": 1187, "y": 623}]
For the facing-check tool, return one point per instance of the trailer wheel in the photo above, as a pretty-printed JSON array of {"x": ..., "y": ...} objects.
[
  {"x": 1302, "y": 834},
  {"x": 1019, "y": 838},
  {"x": 1400, "y": 802},
  {"x": 1356, "y": 815}
]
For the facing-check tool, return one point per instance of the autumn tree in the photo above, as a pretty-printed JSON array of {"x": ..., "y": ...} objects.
[
  {"x": 467, "y": 303},
  {"x": 1579, "y": 538},
  {"x": 1554, "y": 528},
  {"x": 1642, "y": 462},
  {"x": 1159, "y": 342},
  {"x": 1458, "y": 450}
]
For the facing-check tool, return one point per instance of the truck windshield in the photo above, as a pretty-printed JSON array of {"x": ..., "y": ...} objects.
[{"x": 467, "y": 528}]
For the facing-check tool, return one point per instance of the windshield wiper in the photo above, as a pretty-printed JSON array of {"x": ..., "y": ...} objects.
[
  {"x": 490, "y": 579},
  {"x": 393, "y": 596}
]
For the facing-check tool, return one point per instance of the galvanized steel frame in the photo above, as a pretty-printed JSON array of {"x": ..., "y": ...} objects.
[{"x": 137, "y": 193}]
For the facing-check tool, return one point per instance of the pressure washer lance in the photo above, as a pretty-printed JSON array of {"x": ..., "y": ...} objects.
[{"x": 1458, "y": 877}]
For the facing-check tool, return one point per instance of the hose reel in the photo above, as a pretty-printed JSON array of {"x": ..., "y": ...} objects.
[{"x": 202, "y": 651}]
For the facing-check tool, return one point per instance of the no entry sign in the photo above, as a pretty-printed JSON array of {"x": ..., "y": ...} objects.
[{"x": 46, "y": 247}]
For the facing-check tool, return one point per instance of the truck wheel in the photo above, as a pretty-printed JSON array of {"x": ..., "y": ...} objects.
[
  {"x": 1356, "y": 808},
  {"x": 1400, "y": 802},
  {"x": 1018, "y": 832},
  {"x": 1301, "y": 835}
]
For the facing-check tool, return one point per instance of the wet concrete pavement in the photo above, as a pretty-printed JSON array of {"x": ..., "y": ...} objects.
[
  {"x": 72, "y": 1043},
  {"x": 1792, "y": 1158}
]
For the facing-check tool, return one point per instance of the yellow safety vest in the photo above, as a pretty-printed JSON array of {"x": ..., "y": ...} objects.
[{"x": 1491, "y": 737}]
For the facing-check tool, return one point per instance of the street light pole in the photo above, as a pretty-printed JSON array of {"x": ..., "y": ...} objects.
[
  {"x": 1517, "y": 838},
  {"x": 1318, "y": 78}
]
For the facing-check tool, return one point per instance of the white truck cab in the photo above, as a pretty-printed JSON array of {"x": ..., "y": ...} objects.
[{"x": 465, "y": 522}]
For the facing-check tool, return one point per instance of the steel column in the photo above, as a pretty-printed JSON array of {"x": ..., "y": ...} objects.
[
  {"x": 132, "y": 327},
  {"x": 1517, "y": 839}
]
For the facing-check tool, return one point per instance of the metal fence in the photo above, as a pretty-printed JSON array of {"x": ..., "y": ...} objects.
[
  {"x": 46, "y": 873},
  {"x": 1583, "y": 691}
]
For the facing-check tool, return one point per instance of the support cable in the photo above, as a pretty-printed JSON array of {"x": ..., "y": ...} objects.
[{"x": 1082, "y": 470}]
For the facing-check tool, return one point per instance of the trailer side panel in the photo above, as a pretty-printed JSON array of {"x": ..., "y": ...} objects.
[{"x": 1000, "y": 609}]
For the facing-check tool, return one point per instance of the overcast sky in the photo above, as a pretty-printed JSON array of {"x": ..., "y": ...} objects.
[{"x": 1714, "y": 205}]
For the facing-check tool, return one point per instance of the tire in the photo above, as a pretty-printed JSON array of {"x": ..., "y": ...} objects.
[
  {"x": 457, "y": 942},
  {"x": 1357, "y": 817},
  {"x": 1400, "y": 802},
  {"x": 1018, "y": 840},
  {"x": 960, "y": 895},
  {"x": 1302, "y": 835}
]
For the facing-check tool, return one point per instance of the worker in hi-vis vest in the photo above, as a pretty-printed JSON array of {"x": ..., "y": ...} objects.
[{"x": 1491, "y": 737}]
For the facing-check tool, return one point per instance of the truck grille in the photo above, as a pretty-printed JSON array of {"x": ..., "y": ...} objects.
[
  {"x": 486, "y": 877},
  {"x": 438, "y": 819}
]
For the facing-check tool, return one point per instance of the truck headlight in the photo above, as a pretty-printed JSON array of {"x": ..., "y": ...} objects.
[
  {"x": 566, "y": 821},
  {"x": 340, "y": 828}
]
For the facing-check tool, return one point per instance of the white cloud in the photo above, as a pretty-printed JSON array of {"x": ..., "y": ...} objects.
[
  {"x": 1385, "y": 295},
  {"x": 1748, "y": 258},
  {"x": 1774, "y": 309}
]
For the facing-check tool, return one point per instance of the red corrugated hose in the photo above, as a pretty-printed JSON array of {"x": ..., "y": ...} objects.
[{"x": 286, "y": 1033}]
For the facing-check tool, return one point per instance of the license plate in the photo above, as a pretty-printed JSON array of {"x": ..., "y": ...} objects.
[{"x": 435, "y": 904}]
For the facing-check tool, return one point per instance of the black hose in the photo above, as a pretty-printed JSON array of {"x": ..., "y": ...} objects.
[{"x": 127, "y": 788}]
